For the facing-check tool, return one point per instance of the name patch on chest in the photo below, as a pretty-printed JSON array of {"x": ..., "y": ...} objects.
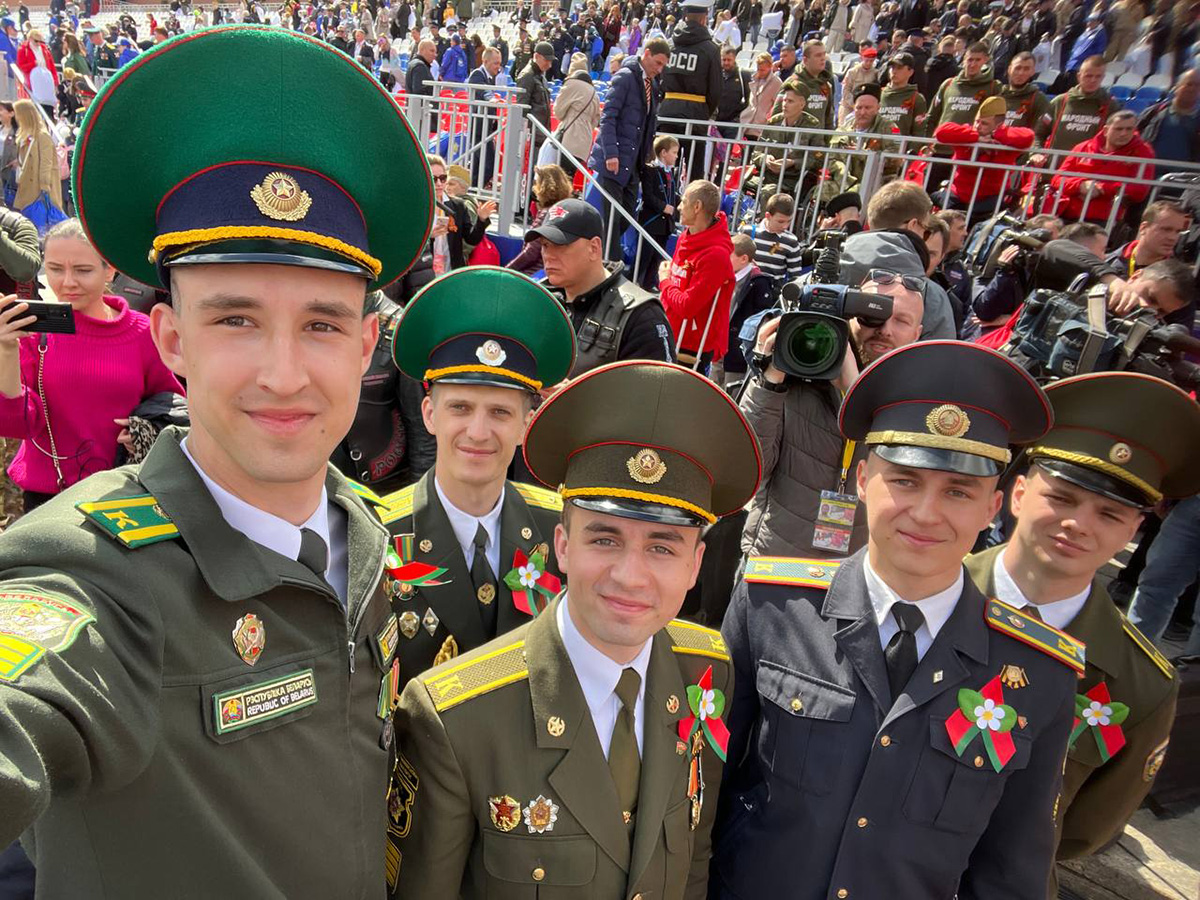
[{"x": 255, "y": 703}]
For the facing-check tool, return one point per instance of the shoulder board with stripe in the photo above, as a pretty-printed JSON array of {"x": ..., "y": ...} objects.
[
  {"x": 816, "y": 573},
  {"x": 696, "y": 639},
  {"x": 397, "y": 504},
  {"x": 477, "y": 676},
  {"x": 132, "y": 521},
  {"x": 539, "y": 496},
  {"x": 1147, "y": 647},
  {"x": 366, "y": 493},
  {"x": 1036, "y": 633}
]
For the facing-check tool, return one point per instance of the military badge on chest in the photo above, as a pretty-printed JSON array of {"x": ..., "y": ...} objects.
[
  {"x": 404, "y": 576},
  {"x": 249, "y": 638}
]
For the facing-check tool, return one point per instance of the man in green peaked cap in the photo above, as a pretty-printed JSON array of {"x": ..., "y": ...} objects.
[
  {"x": 197, "y": 653},
  {"x": 580, "y": 755},
  {"x": 1121, "y": 442}
]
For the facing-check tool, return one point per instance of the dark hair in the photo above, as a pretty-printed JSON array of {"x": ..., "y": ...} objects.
[
  {"x": 980, "y": 47},
  {"x": 781, "y": 203},
  {"x": 1078, "y": 232},
  {"x": 657, "y": 47}
]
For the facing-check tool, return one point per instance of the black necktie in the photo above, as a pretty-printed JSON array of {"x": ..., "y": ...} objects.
[
  {"x": 901, "y": 651},
  {"x": 313, "y": 552},
  {"x": 484, "y": 581}
]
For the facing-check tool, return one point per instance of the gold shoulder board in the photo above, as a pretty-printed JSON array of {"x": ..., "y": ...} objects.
[
  {"x": 1147, "y": 647},
  {"x": 816, "y": 573},
  {"x": 133, "y": 521},
  {"x": 539, "y": 496},
  {"x": 696, "y": 639},
  {"x": 1036, "y": 633},
  {"x": 476, "y": 676},
  {"x": 397, "y": 504}
]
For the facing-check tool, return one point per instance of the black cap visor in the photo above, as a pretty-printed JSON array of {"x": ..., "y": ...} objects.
[
  {"x": 942, "y": 460},
  {"x": 1095, "y": 481},
  {"x": 640, "y": 510}
]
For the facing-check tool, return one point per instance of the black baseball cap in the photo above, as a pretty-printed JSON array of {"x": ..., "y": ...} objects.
[
  {"x": 544, "y": 49},
  {"x": 569, "y": 221},
  {"x": 904, "y": 59}
]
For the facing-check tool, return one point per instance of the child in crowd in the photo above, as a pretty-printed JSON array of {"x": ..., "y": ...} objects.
[
  {"x": 660, "y": 196},
  {"x": 777, "y": 249}
]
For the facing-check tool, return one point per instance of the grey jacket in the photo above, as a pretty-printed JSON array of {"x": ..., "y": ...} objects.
[
  {"x": 801, "y": 456},
  {"x": 886, "y": 250}
]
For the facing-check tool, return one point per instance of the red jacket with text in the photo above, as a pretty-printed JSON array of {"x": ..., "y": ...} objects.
[
  {"x": 1075, "y": 170},
  {"x": 1011, "y": 141},
  {"x": 699, "y": 287}
]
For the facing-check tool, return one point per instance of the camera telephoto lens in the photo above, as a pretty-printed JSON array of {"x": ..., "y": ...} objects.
[{"x": 813, "y": 346}]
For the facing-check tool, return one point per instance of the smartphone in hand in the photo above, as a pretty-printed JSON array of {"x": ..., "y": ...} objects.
[{"x": 49, "y": 318}]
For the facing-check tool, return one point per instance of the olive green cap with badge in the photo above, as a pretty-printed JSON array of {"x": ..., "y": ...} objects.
[
  {"x": 488, "y": 326},
  {"x": 945, "y": 405},
  {"x": 272, "y": 172},
  {"x": 645, "y": 440},
  {"x": 1132, "y": 438}
]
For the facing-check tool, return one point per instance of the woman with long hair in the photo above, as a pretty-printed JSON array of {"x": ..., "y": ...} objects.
[
  {"x": 37, "y": 161},
  {"x": 73, "y": 55},
  {"x": 550, "y": 185},
  {"x": 8, "y": 151},
  {"x": 68, "y": 397}
]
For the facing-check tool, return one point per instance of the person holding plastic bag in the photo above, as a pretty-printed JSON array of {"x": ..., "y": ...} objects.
[{"x": 39, "y": 182}]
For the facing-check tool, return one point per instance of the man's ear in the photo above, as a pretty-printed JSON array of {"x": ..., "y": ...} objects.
[{"x": 164, "y": 329}]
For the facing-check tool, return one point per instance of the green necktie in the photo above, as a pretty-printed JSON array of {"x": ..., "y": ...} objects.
[{"x": 623, "y": 759}]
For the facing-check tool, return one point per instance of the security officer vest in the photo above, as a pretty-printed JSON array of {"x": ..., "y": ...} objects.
[{"x": 598, "y": 337}]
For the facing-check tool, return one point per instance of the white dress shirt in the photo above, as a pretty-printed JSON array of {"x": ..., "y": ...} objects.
[
  {"x": 935, "y": 609},
  {"x": 1058, "y": 614},
  {"x": 329, "y": 521},
  {"x": 598, "y": 676},
  {"x": 465, "y": 525}
]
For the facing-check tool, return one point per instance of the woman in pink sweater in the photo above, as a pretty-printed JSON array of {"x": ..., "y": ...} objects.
[{"x": 90, "y": 381}]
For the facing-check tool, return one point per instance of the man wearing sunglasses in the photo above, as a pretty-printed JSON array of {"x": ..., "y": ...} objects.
[{"x": 804, "y": 454}]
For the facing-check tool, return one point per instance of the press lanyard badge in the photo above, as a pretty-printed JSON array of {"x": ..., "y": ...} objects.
[{"x": 835, "y": 516}]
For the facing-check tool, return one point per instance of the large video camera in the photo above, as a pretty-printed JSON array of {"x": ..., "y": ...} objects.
[
  {"x": 814, "y": 331},
  {"x": 1065, "y": 333},
  {"x": 991, "y": 238}
]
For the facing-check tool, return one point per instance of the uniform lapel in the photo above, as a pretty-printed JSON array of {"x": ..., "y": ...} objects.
[
  {"x": 943, "y": 667},
  {"x": 515, "y": 518},
  {"x": 661, "y": 765},
  {"x": 366, "y": 542},
  {"x": 848, "y": 600},
  {"x": 1100, "y": 626},
  {"x": 580, "y": 779},
  {"x": 455, "y": 604}
]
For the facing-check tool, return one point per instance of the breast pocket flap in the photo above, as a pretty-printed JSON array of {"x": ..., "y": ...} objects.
[
  {"x": 568, "y": 861},
  {"x": 803, "y": 695}
]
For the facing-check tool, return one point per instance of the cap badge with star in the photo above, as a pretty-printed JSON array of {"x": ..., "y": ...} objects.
[
  {"x": 945, "y": 405},
  {"x": 485, "y": 325},
  {"x": 250, "y": 176},
  {"x": 635, "y": 439}
]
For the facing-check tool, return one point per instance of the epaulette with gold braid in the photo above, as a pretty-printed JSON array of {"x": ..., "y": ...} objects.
[
  {"x": 477, "y": 676},
  {"x": 133, "y": 521},
  {"x": 692, "y": 638},
  {"x": 1147, "y": 647},
  {"x": 539, "y": 496},
  {"x": 816, "y": 573},
  {"x": 368, "y": 495},
  {"x": 1036, "y": 633},
  {"x": 397, "y": 504}
]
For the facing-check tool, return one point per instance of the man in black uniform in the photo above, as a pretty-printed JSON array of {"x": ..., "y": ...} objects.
[
  {"x": 614, "y": 319},
  {"x": 692, "y": 83},
  {"x": 894, "y": 732}
]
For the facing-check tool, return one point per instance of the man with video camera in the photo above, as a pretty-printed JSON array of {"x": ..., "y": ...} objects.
[{"x": 802, "y": 507}]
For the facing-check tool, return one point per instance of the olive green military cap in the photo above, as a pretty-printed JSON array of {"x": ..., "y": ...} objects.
[
  {"x": 646, "y": 440},
  {"x": 1132, "y": 438}
]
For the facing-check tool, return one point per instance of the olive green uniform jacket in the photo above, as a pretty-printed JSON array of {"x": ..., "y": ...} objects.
[
  {"x": 793, "y": 148},
  {"x": 448, "y": 618},
  {"x": 1097, "y": 797},
  {"x": 509, "y": 722},
  {"x": 139, "y": 753}
]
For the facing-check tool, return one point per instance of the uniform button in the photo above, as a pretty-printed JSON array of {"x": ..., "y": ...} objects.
[
  {"x": 843, "y": 893},
  {"x": 797, "y": 705},
  {"x": 885, "y": 741},
  {"x": 979, "y": 762},
  {"x": 862, "y": 823},
  {"x": 539, "y": 873},
  {"x": 637, "y": 897}
]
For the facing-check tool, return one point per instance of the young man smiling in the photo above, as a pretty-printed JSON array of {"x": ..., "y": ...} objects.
[
  {"x": 483, "y": 364},
  {"x": 189, "y": 643},
  {"x": 1121, "y": 442},
  {"x": 580, "y": 754},
  {"x": 873, "y": 746}
]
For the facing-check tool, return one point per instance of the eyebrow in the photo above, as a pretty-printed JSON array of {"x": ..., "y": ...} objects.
[{"x": 333, "y": 309}]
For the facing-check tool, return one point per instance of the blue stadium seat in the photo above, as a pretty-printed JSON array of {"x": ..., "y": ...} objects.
[
  {"x": 1150, "y": 94},
  {"x": 1120, "y": 93},
  {"x": 1139, "y": 104}
]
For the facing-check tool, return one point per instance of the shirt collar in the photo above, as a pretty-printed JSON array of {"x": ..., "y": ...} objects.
[
  {"x": 598, "y": 674},
  {"x": 260, "y": 526},
  {"x": 1058, "y": 614},
  {"x": 743, "y": 272},
  {"x": 465, "y": 525},
  {"x": 936, "y": 609}
]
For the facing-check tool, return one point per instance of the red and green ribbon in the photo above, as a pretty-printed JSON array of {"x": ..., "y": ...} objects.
[
  {"x": 707, "y": 704},
  {"x": 984, "y": 714},
  {"x": 1095, "y": 711},
  {"x": 401, "y": 566},
  {"x": 531, "y": 585}
]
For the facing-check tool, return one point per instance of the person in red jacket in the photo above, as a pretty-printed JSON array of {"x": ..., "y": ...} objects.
[
  {"x": 1082, "y": 192},
  {"x": 979, "y": 188},
  {"x": 697, "y": 283},
  {"x": 34, "y": 54}
]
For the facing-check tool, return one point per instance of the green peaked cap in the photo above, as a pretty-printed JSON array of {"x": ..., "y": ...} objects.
[
  {"x": 485, "y": 325},
  {"x": 307, "y": 157}
]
